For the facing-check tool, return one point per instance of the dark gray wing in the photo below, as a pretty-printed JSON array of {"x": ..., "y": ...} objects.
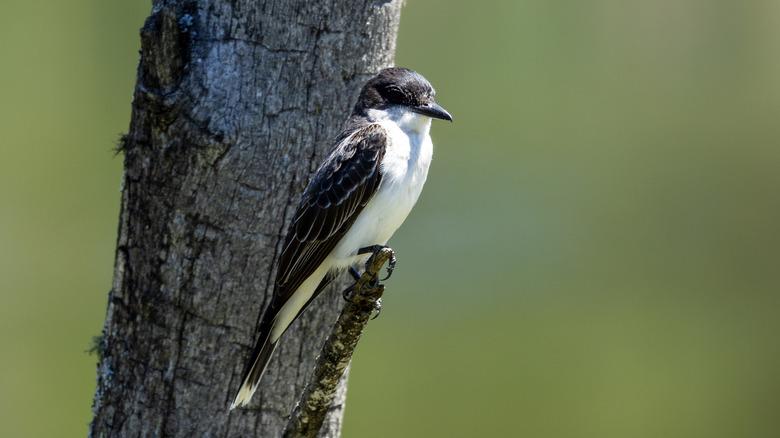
[{"x": 340, "y": 189}]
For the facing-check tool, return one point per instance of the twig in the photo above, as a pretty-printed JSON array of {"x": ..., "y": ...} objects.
[{"x": 309, "y": 414}]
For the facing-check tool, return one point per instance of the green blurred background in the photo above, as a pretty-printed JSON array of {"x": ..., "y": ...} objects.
[{"x": 595, "y": 254}]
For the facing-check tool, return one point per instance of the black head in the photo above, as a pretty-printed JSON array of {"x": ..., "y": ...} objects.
[{"x": 398, "y": 86}]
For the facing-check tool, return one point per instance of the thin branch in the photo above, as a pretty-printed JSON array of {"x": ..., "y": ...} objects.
[{"x": 317, "y": 397}]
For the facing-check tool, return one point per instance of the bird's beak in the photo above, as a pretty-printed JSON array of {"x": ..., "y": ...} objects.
[{"x": 433, "y": 110}]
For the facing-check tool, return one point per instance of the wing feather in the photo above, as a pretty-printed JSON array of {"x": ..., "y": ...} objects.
[{"x": 337, "y": 193}]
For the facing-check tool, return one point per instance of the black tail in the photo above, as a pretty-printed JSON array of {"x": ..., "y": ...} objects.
[
  {"x": 253, "y": 371},
  {"x": 264, "y": 348}
]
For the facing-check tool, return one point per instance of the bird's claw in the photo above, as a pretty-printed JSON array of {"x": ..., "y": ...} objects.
[
  {"x": 375, "y": 280},
  {"x": 347, "y": 293},
  {"x": 373, "y": 249},
  {"x": 390, "y": 266},
  {"x": 377, "y": 309}
]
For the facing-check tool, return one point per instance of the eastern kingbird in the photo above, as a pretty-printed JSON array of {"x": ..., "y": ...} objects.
[{"x": 359, "y": 196}]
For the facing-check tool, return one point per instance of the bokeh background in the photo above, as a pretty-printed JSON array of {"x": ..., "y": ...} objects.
[{"x": 595, "y": 254}]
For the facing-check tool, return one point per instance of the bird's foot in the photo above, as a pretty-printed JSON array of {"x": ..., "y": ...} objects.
[
  {"x": 348, "y": 293},
  {"x": 373, "y": 249},
  {"x": 390, "y": 266},
  {"x": 354, "y": 273}
]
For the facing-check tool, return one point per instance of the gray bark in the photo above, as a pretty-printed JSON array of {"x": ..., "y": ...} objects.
[{"x": 234, "y": 107}]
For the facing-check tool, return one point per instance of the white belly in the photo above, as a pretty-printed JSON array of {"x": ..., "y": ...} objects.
[{"x": 404, "y": 171}]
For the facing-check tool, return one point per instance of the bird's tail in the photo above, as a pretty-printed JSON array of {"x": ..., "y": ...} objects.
[
  {"x": 270, "y": 334},
  {"x": 261, "y": 355}
]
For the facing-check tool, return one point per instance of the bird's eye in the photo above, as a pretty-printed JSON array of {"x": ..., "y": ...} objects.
[{"x": 394, "y": 94}]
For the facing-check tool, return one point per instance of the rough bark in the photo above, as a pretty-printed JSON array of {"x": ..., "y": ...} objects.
[
  {"x": 234, "y": 107},
  {"x": 363, "y": 299}
]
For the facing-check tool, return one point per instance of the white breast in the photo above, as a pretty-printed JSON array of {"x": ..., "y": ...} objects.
[{"x": 404, "y": 171}]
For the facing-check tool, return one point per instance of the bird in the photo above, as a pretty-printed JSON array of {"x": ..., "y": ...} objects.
[{"x": 358, "y": 197}]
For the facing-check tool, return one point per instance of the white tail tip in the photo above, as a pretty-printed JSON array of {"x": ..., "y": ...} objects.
[{"x": 244, "y": 395}]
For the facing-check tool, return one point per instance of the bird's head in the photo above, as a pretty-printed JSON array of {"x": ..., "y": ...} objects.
[{"x": 400, "y": 89}]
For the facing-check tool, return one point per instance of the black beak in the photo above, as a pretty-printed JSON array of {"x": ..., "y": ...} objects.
[{"x": 433, "y": 110}]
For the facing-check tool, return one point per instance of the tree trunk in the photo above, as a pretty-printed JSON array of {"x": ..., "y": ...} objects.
[{"x": 235, "y": 105}]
